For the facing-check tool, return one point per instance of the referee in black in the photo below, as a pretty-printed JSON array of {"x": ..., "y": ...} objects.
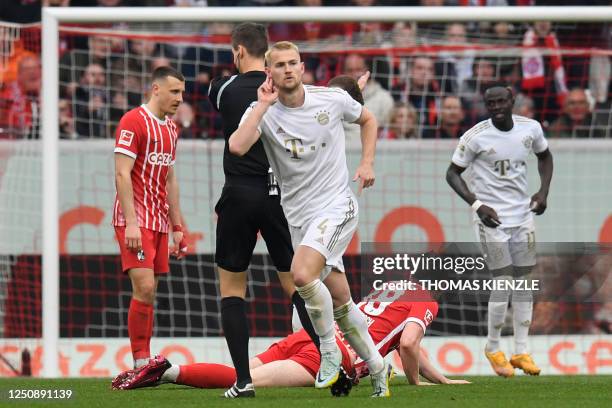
[{"x": 249, "y": 204}]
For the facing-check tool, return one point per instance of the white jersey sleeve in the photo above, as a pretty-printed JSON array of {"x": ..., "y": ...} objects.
[
  {"x": 539, "y": 141},
  {"x": 465, "y": 153},
  {"x": 246, "y": 114},
  {"x": 351, "y": 109}
]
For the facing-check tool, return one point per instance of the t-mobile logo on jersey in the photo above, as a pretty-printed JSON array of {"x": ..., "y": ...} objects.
[
  {"x": 295, "y": 146},
  {"x": 159, "y": 159}
]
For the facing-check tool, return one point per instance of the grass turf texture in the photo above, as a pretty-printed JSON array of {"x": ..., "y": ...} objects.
[{"x": 521, "y": 391}]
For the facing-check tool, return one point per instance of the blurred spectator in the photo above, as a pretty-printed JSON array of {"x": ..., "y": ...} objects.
[
  {"x": 120, "y": 3},
  {"x": 190, "y": 3},
  {"x": 451, "y": 120},
  {"x": 9, "y": 67},
  {"x": 420, "y": 90},
  {"x": 309, "y": 31},
  {"x": 73, "y": 63},
  {"x": 91, "y": 103},
  {"x": 368, "y": 34},
  {"x": 20, "y": 101},
  {"x": 185, "y": 120},
  {"x": 160, "y": 62},
  {"x": 576, "y": 119},
  {"x": 308, "y": 78},
  {"x": 142, "y": 53},
  {"x": 455, "y": 66},
  {"x": 378, "y": 100},
  {"x": 473, "y": 3},
  {"x": 403, "y": 123},
  {"x": 543, "y": 73},
  {"x": 472, "y": 89},
  {"x": 502, "y": 31},
  {"x": 261, "y": 3},
  {"x": 403, "y": 35},
  {"x": 20, "y": 11},
  {"x": 66, "y": 120},
  {"x": 523, "y": 106}
]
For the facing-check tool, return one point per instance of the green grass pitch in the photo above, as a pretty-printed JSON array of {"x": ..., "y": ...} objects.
[{"x": 521, "y": 391}]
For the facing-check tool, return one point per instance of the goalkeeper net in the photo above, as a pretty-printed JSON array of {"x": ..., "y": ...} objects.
[{"x": 426, "y": 87}]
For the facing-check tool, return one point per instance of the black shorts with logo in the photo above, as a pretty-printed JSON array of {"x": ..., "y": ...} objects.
[{"x": 244, "y": 209}]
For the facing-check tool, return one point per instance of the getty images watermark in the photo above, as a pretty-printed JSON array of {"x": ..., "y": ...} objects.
[
  {"x": 423, "y": 265},
  {"x": 573, "y": 272}
]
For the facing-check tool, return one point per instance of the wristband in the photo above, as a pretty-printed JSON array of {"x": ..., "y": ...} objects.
[
  {"x": 177, "y": 228},
  {"x": 476, "y": 205}
]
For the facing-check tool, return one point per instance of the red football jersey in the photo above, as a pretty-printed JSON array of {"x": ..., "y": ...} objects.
[
  {"x": 388, "y": 312},
  {"x": 151, "y": 142}
]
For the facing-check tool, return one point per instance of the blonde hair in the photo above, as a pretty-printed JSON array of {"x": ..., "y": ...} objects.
[{"x": 281, "y": 46}]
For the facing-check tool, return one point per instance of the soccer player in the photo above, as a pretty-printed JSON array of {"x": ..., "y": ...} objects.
[
  {"x": 147, "y": 195},
  {"x": 398, "y": 322},
  {"x": 249, "y": 204},
  {"x": 304, "y": 141},
  {"x": 497, "y": 151}
]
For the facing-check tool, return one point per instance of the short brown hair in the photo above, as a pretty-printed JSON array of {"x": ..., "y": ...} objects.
[
  {"x": 166, "y": 71},
  {"x": 281, "y": 46},
  {"x": 349, "y": 84},
  {"x": 252, "y": 36}
]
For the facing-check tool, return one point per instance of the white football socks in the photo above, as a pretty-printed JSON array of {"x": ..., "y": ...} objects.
[
  {"x": 498, "y": 305},
  {"x": 522, "y": 307},
  {"x": 139, "y": 362},
  {"x": 171, "y": 374},
  {"x": 320, "y": 309},
  {"x": 355, "y": 328}
]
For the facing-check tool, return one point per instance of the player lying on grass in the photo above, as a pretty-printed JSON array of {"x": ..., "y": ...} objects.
[{"x": 397, "y": 320}]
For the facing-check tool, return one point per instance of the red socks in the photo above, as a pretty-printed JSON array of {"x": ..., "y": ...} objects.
[
  {"x": 204, "y": 375},
  {"x": 140, "y": 328}
]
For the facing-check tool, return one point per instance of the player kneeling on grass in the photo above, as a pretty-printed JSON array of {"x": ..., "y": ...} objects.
[{"x": 398, "y": 320}]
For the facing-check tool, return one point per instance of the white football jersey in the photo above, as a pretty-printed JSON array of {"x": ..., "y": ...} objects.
[
  {"x": 498, "y": 162},
  {"x": 306, "y": 149}
]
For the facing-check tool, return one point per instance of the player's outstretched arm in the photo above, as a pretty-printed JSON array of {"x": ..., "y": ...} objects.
[
  {"x": 365, "y": 171},
  {"x": 487, "y": 215},
  {"x": 125, "y": 193},
  {"x": 248, "y": 132},
  {"x": 410, "y": 344},
  {"x": 429, "y": 372},
  {"x": 174, "y": 212},
  {"x": 545, "y": 168}
]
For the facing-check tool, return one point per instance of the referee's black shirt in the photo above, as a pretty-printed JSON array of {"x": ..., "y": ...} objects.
[{"x": 231, "y": 96}]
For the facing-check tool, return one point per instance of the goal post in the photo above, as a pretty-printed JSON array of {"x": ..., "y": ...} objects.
[{"x": 53, "y": 17}]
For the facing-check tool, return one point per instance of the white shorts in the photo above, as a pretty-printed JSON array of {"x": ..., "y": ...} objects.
[
  {"x": 329, "y": 233},
  {"x": 505, "y": 246}
]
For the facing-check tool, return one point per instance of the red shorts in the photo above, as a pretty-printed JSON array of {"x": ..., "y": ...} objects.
[
  {"x": 154, "y": 247},
  {"x": 299, "y": 348}
]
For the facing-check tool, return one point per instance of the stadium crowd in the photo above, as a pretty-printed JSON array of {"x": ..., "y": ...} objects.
[{"x": 426, "y": 78}]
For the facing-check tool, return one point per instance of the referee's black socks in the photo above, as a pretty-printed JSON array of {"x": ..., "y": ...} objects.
[
  {"x": 236, "y": 331},
  {"x": 300, "y": 306}
]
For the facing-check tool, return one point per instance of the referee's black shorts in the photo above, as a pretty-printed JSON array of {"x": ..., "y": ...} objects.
[{"x": 244, "y": 209}]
